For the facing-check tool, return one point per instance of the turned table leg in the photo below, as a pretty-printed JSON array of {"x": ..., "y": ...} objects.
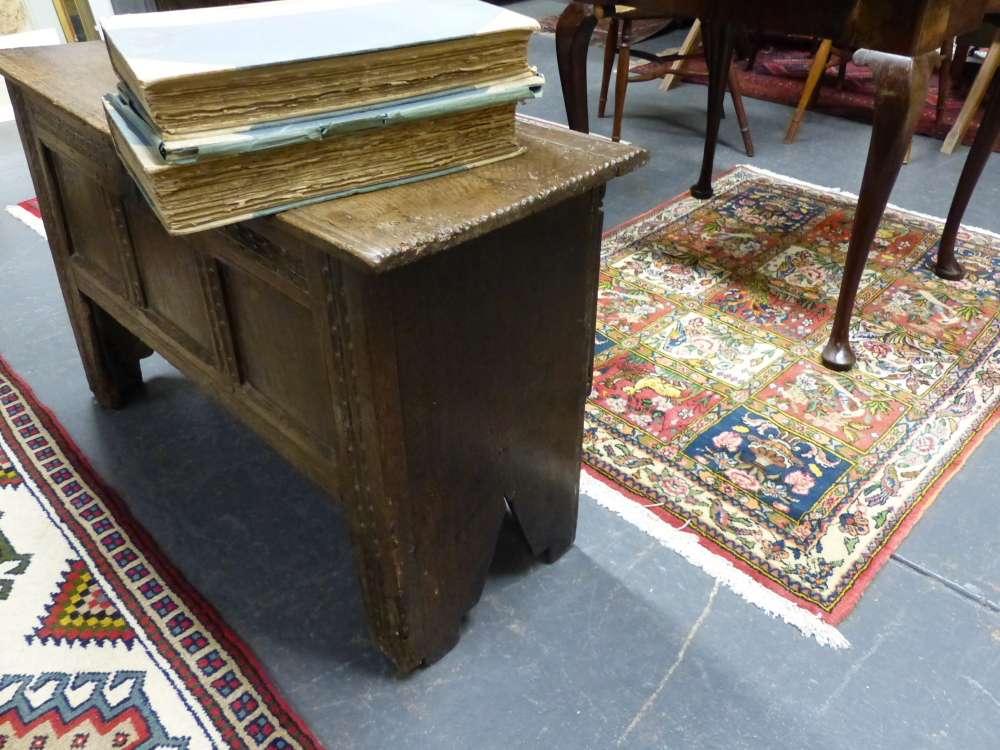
[
  {"x": 718, "y": 40},
  {"x": 986, "y": 139},
  {"x": 901, "y": 89},
  {"x": 573, "y": 32}
]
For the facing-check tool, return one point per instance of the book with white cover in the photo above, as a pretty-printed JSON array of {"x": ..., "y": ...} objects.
[
  {"x": 159, "y": 46},
  {"x": 219, "y": 67}
]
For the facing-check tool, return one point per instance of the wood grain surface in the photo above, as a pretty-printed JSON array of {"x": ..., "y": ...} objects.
[{"x": 387, "y": 228}]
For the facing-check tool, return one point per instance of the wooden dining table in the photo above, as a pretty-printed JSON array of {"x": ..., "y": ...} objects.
[{"x": 897, "y": 39}]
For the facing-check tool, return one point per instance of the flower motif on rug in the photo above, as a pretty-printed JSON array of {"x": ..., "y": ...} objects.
[
  {"x": 710, "y": 404},
  {"x": 773, "y": 464}
]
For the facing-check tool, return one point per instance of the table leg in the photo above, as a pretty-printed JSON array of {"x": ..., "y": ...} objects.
[
  {"x": 573, "y": 32},
  {"x": 110, "y": 353},
  {"x": 113, "y": 371},
  {"x": 718, "y": 38},
  {"x": 460, "y": 408},
  {"x": 986, "y": 139},
  {"x": 901, "y": 90}
]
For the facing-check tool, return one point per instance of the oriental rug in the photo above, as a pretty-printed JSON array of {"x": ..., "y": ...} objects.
[
  {"x": 641, "y": 29},
  {"x": 710, "y": 409},
  {"x": 103, "y": 644}
]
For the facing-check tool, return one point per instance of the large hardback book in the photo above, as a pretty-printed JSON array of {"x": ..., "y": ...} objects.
[
  {"x": 202, "y": 193},
  {"x": 209, "y": 69},
  {"x": 227, "y": 142}
]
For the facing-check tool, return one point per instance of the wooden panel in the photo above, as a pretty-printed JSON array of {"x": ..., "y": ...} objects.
[
  {"x": 89, "y": 225},
  {"x": 277, "y": 265},
  {"x": 278, "y": 351},
  {"x": 169, "y": 273}
]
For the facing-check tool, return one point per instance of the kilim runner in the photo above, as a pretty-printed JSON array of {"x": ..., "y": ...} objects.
[
  {"x": 28, "y": 212},
  {"x": 711, "y": 411},
  {"x": 102, "y": 643}
]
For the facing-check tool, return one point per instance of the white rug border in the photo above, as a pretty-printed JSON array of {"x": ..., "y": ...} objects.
[
  {"x": 25, "y": 216},
  {"x": 687, "y": 546}
]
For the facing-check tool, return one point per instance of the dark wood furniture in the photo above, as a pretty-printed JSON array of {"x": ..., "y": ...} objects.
[
  {"x": 424, "y": 353},
  {"x": 619, "y": 43},
  {"x": 947, "y": 266},
  {"x": 897, "y": 39}
]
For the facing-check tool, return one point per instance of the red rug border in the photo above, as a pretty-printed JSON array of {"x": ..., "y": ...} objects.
[
  {"x": 850, "y": 598},
  {"x": 212, "y": 619},
  {"x": 29, "y": 208}
]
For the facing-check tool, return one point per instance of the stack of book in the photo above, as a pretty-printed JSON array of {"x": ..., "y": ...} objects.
[{"x": 227, "y": 113}]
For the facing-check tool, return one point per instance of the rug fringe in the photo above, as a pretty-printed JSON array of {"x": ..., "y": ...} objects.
[
  {"x": 24, "y": 215},
  {"x": 688, "y": 547}
]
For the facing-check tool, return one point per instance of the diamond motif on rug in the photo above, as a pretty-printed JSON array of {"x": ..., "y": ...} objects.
[
  {"x": 710, "y": 405},
  {"x": 82, "y": 613},
  {"x": 77, "y": 572}
]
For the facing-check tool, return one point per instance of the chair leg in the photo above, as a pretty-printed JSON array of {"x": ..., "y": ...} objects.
[
  {"x": 621, "y": 82},
  {"x": 610, "y": 50},
  {"x": 958, "y": 60},
  {"x": 975, "y": 97},
  {"x": 673, "y": 80},
  {"x": 815, "y": 73},
  {"x": 741, "y": 116},
  {"x": 944, "y": 82},
  {"x": 841, "y": 73}
]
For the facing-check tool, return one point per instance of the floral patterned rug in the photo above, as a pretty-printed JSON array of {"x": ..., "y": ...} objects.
[
  {"x": 103, "y": 644},
  {"x": 710, "y": 406}
]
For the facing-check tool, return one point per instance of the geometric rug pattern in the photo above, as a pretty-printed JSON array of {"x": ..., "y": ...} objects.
[
  {"x": 103, "y": 644},
  {"x": 710, "y": 405},
  {"x": 82, "y": 613}
]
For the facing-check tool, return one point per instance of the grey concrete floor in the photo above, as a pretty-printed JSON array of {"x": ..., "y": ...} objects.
[{"x": 567, "y": 655}]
